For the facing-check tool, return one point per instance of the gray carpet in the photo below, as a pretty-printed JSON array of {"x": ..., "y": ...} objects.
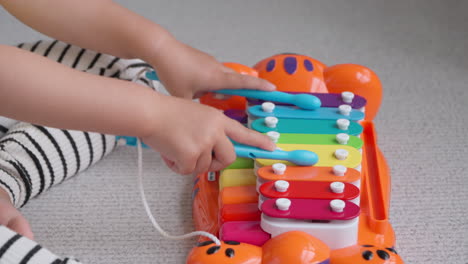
[{"x": 418, "y": 48}]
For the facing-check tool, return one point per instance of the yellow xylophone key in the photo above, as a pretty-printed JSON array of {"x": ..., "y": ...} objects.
[
  {"x": 237, "y": 177},
  {"x": 329, "y": 155}
]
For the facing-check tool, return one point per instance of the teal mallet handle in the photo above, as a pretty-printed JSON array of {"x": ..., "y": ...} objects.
[
  {"x": 304, "y": 101},
  {"x": 299, "y": 157},
  {"x": 152, "y": 75}
]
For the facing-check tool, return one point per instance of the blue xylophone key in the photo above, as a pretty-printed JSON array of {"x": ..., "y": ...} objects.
[{"x": 300, "y": 126}]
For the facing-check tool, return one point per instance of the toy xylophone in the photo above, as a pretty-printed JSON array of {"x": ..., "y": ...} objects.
[{"x": 268, "y": 209}]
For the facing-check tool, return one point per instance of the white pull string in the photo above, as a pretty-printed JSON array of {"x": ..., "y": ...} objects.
[
  {"x": 148, "y": 210},
  {"x": 143, "y": 196}
]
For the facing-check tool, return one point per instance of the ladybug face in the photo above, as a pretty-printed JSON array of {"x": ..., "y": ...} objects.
[
  {"x": 366, "y": 254},
  {"x": 230, "y": 252},
  {"x": 293, "y": 73}
]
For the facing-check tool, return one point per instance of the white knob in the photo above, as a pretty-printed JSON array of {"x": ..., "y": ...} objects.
[
  {"x": 341, "y": 154},
  {"x": 271, "y": 121},
  {"x": 219, "y": 96},
  {"x": 343, "y": 124},
  {"x": 337, "y": 205},
  {"x": 283, "y": 204},
  {"x": 279, "y": 168},
  {"x": 339, "y": 170},
  {"x": 347, "y": 97},
  {"x": 268, "y": 107},
  {"x": 281, "y": 186},
  {"x": 342, "y": 138},
  {"x": 337, "y": 187},
  {"x": 121, "y": 142},
  {"x": 344, "y": 109},
  {"x": 273, "y": 135}
]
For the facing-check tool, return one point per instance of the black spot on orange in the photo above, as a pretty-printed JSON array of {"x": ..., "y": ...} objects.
[
  {"x": 213, "y": 250},
  {"x": 230, "y": 253},
  {"x": 205, "y": 243},
  {"x": 230, "y": 242},
  {"x": 367, "y": 255},
  {"x": 383, "y": 254},
  {"x": 392, "y": 250}
]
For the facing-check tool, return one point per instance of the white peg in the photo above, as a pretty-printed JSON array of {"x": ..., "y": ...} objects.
[
  {"x": 344, "y": 109},
  {"x": 343, "y": 124},
  {"x": 337, "y": 187},
  {"x": 283, "y": 204},
  {"x": 273, "y": 135},
  {"x": 339, "y": 170},
  {"x": 342, "y": 138},
  {"x": 279, "y": 168},
  {"x": 337, "y": 205},
  {"x": 219, "y": 96},
  {"x": 347, "y": 97},
  {"x": 281, "y": 186},
  {"x": 271, "y": 121},
  {"x": 341, "y": 154},
  {"x": 268, "y": 107},
  {"x": 121, "y": 142}
]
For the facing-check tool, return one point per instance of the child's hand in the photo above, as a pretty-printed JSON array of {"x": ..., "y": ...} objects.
[
  {"x": 188, "y": 73},
  {"x": 12, "y": 218},
  {"x": 193, "y": 138}
]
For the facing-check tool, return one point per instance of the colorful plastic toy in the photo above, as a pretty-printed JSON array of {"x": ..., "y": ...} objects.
[
  {"x": 341, "y": 202},
  {"x": 274, "y": 211}
]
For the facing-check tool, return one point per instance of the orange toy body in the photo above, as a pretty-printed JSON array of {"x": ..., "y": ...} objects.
[
  {"x": 229, "y": 252},
  {"x": 358, "y": 79},
  {"x": 375, "y": 239},
  {"x": 293, "y": 73},
  {"x": 292, "y": 247}
]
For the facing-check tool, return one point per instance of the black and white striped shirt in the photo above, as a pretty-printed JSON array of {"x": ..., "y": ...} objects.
[
  {"x": 34, "y": 158},
  {"x": 16, "y": 249}
]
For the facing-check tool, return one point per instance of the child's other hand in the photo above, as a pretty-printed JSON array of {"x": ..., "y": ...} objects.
[
  {"x": 193, "y": 138},
  {"x": 188, "y": 73},
  {"x": 12, "y": 218}
]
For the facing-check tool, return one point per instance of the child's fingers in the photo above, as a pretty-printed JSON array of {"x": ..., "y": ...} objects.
[
  {"x": 204, "y": 162},
  {"x": 186, "y": 163},
  {"x": 243, "y": 135},
  {"x": 169, "y": 163},
  {"x": 227, "y": 69},
  {"x": 21, "y": 226},
  {"x": 242, "y": 81},
  {"x": 223, "y": 154}
]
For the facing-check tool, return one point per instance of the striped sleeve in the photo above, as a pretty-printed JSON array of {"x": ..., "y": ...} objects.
[
  {"x": 5, "y": 124},
  {"x": 34, "y": 158},
  {"x": 16, "y": 249},
  {"x": 90, "y": 61}
]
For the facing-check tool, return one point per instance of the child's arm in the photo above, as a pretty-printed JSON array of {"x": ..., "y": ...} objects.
[
  {"x": 107, "y": 27},
  {"x": 40, "y": 91},
  {"x": 101, "y": 25},
  {"x": 37, "y": 90}
]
